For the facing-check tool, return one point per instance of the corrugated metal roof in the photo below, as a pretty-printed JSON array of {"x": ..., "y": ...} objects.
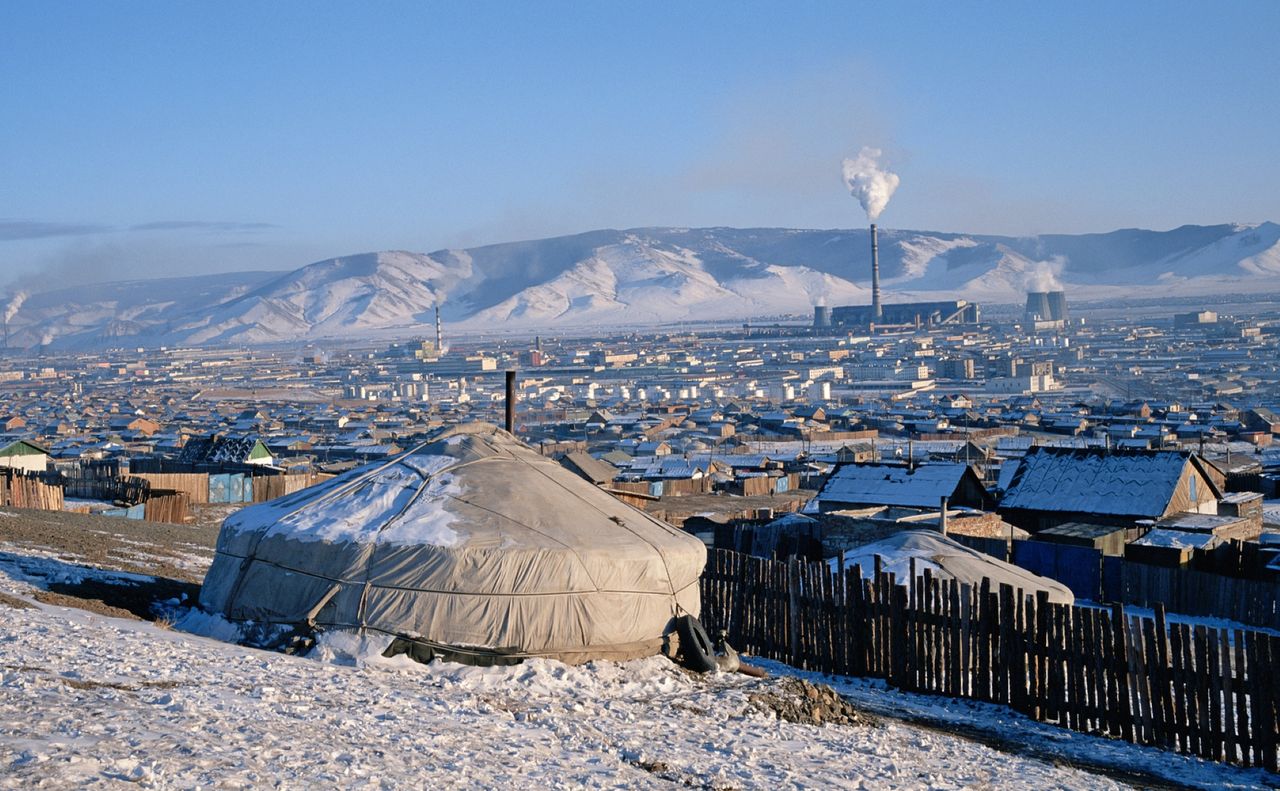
[
  {"x": 1123, "y": 483},
  {"x": 887, "y": 484}
]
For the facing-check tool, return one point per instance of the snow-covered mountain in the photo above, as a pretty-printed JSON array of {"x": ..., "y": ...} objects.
[{"x": 642, "y": 276}]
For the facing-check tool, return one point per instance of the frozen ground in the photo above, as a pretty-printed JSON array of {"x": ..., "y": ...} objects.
[{"x": 96, "y": 701}]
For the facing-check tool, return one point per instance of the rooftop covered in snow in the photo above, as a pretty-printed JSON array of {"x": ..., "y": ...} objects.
[{"x": 920, "y": 486}]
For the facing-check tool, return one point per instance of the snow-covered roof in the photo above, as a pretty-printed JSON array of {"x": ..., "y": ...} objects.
[
  {"x": 891, "y": 484},
  {"x": 945, "y": 559},
  {"x": 1129, "y": 483},
  {"x": 1178, "y": 539},
  {"x": 217, "y": 449}
]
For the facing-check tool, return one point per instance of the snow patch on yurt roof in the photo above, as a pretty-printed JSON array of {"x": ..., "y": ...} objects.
[{"x": 403, "y": 503}]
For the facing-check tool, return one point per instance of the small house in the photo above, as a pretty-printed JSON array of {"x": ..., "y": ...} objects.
[
  {"x": 585, "y": 466},
  {"x": 222, "y": 449},
  {"x": 918, "y": 486},
  {"x": 1055, "y": 486},
  {"x": 24, "y": 456}
]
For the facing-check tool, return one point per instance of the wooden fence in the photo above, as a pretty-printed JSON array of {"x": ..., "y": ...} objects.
[
  {"x": 670, "y": 487},
  {"x": 1225, "y": 583},
  {"x": 194, "y": 484},
  {"x": 166, "y": 505},
  {"x": 22, "y": 491},
  {"x": 1191, "y": 592},
  {"x": 1206, "y": 691},
  {"x": 265, "y": 487},
  {"x": 269, "y": 487},
  {"x": 128, "y": 490}
]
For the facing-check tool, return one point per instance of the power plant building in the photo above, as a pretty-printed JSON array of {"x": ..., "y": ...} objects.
[
  {"x": 878, "y": 314},
  {"x": 901, "y": 313}
]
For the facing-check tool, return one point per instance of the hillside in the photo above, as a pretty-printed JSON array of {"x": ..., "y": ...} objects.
[
  {"x": 100, "y": 690},
  {"x": 643, "y": 276}
]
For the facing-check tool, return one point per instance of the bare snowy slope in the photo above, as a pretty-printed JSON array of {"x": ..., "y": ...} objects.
[{"x": 643, "y": 276}]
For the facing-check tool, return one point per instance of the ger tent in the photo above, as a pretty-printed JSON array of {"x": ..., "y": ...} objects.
[
  {"x": 947, "y": 559},
  {"x": 472, "y": 545}
]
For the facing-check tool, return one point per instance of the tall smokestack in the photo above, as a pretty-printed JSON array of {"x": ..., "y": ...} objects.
[
  {"x": 439, "y": 333},
  {"x": 511, "y": 403},
  {"x": 877, "y": 312}
]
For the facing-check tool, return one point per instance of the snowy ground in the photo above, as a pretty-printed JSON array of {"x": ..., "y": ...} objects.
[{"x": 90, "y": 700}]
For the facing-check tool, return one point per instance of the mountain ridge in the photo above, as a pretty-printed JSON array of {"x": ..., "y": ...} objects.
[{"x": 642, "y": 276}]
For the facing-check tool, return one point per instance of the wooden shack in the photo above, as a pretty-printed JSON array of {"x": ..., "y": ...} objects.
[
  {"x": 1055, "y": 486},
  {"x": 1107, "y": 539}
]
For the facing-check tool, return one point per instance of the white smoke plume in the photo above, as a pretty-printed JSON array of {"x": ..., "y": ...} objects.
[
  {"x": 46, "y": 338},
  {"x": 1043, "y": 275},
  {"x": 14, "y": 305},
  {"x": 869, "y": 183}
]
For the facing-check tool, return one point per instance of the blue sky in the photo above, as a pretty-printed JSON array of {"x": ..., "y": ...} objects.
[{"x": 148, "y": 138}]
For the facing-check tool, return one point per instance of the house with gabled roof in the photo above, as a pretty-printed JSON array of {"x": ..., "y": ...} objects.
[
  {"x": 223, "y": 449},
  {"x": 902, "y": 485},
  {"x": 595, "y": 470},
  {"x": 1053, "y": 486},
  {"x": 25, "y": 456}
]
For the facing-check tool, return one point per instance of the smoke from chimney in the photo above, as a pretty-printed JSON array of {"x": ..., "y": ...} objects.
[
  {"x": 14, "y": 305},
  {"x": 869, "y": 183},
  {"x": 1043, "y": 275}
]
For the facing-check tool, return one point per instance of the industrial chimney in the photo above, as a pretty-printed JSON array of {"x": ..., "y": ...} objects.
[
  {"x": 439, "y": 333},
  {"x": 877, "y": 313}
]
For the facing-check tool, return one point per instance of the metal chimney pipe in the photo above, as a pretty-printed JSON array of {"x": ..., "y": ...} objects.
[
  {"x": 511, "y": 402},
  {"x": 877, "y": 312}
]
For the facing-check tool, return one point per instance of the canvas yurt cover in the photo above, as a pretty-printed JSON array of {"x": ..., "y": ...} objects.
[{"x": 470, "y": 543}]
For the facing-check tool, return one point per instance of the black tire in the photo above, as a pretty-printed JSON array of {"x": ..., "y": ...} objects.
[{"x": 696, "y": 652}]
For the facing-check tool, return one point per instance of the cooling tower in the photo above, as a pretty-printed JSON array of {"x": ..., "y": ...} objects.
[
  {"x": 821, "y": 316},
  {"x": 1057, "y": 306},
  {"x": 1038, "y": 306}
]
